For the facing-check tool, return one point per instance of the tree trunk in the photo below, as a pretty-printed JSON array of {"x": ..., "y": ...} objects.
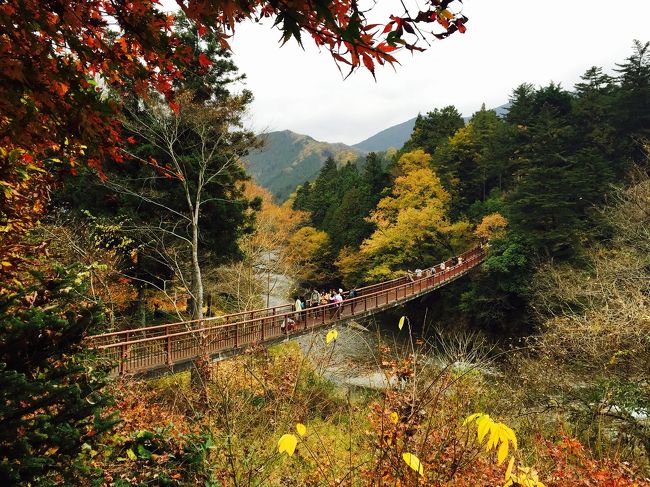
[
  {"x": 142, "y": 306},
  {"x": 200, "y": 367},
  {"x": 197, "y": 281}
]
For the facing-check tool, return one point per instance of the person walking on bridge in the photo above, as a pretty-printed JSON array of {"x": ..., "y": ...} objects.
[
  {"x": 315, "y": 298},
  {"x": 298, "y": 308}
]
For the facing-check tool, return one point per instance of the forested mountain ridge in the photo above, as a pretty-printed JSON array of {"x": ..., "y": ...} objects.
[
  {"x": 396, "y": 136},
  {"x": 288, "y": 159}
]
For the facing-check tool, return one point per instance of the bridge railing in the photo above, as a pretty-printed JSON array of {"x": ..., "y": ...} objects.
[
  {"x": 125, "y": 336},
  {"x": 166, "y": 345}
]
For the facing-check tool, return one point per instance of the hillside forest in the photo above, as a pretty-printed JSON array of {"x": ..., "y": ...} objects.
[{"x": 125, "y": 204}]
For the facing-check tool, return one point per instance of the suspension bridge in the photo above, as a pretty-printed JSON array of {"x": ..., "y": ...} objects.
[{"x": 175, "y": 345}]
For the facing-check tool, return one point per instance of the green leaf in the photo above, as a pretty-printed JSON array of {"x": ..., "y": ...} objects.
[{"x": 143, "y": 452}]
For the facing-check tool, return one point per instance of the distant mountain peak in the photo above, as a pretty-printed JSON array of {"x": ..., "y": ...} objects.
[
  {"x": 288, "y": 158},
  {"x": 394, "y": 137}
]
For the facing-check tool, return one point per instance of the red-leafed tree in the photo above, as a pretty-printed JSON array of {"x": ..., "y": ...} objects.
[{"x": 61, "y": 62}]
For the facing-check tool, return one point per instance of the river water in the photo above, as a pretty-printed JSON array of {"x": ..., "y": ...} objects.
[{"x": 354, "y": 359}]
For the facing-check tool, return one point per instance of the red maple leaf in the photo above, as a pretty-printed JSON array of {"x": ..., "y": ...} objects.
[{"x": 204, "y": 61}]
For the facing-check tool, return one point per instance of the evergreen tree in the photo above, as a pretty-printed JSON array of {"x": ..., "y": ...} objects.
[
  {"x": 559, "y": 181},
  {"x": 51, "y": 391},
  {"x": 632, "y": 104},
  {"x": 521, "y": 107},
  {"x": 593, "y": 106},
  {"x": 323, "y": 194},
  {"x": 375, "y": 178},
  {"x": 469, "y": 163},
  {"x": 433, "y": 129},
  {"x": 303, "y": 195}
]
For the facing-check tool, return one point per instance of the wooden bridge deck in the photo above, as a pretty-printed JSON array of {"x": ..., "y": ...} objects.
[{"x": 169, "y": 346}]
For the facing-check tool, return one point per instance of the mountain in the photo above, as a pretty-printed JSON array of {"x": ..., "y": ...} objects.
[
  {"x": 397, "y": 135},
  {"x": 394, "y": 136},
  {"x": 289, "y": 159}
]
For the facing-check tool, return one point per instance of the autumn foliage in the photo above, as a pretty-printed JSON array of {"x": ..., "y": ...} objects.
[{"x": 64, "y": 66}]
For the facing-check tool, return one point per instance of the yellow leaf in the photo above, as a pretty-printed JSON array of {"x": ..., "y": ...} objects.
[
  {"x": 413, "y": 462},
  {"x": 494, "y": 437},
  {"x": 509, "y": 469},
  {"x": 400, "y": 325},
  {"x": 502, "y": 453},
  {"x": 287, "y": 444},
  {"x": 394, "y": 417},
  {"x": 301, "y": 429},
  {"x": 447, "y": 14},
  {"x": 512, "y": 436},
  {"x": 6, "y": 264},
  {"x": 52, "y": 451},
  {"x": 484, "y": 423},
  {"x": 471, "y": 418},
  {"x": 332, "y": 335},
  {"x": 131, "y": 455}
]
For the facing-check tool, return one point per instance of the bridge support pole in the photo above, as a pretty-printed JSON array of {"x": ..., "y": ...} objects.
[
  {"x": 125, "y": 354},
  {"x": 169, "y": 346}
]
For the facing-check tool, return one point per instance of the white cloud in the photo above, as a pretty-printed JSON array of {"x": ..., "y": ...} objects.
[{"x": 507, "y": 42}]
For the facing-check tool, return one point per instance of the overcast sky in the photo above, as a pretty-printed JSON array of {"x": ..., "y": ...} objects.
[{"x": 507, "y": 42}]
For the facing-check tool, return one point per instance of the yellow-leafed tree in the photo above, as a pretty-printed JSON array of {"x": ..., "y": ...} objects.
[
  {"x": 413, "y": 226},
  {"x": 492, "y": 226},
  {"x": 309, "y": 249}
]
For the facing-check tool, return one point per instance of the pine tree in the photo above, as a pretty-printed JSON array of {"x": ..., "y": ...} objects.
[
  {"x": 323, "y": 193},
  {"x": 375, "y": 177},
  {"x": 632, "y": 109},
  {"x": 593, "y": 107},
  {"x": 433, "y": 129},
  {"x": 521, "y": 110},
  {"x": 51, "y": 390},
  {"x": 559, "y": 181}
]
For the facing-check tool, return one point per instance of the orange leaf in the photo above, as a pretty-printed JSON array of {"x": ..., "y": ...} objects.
[{"x": 369, "y": 63}]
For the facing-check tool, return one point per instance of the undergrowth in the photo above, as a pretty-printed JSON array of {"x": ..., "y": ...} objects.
[{"x": 270, "y": 417}]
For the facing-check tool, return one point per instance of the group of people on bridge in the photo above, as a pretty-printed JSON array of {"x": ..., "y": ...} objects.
[
  {"x": 316, "y": 298},
  {"x": 334, "y": 296},
  {"x": 434, "y": 270}
]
